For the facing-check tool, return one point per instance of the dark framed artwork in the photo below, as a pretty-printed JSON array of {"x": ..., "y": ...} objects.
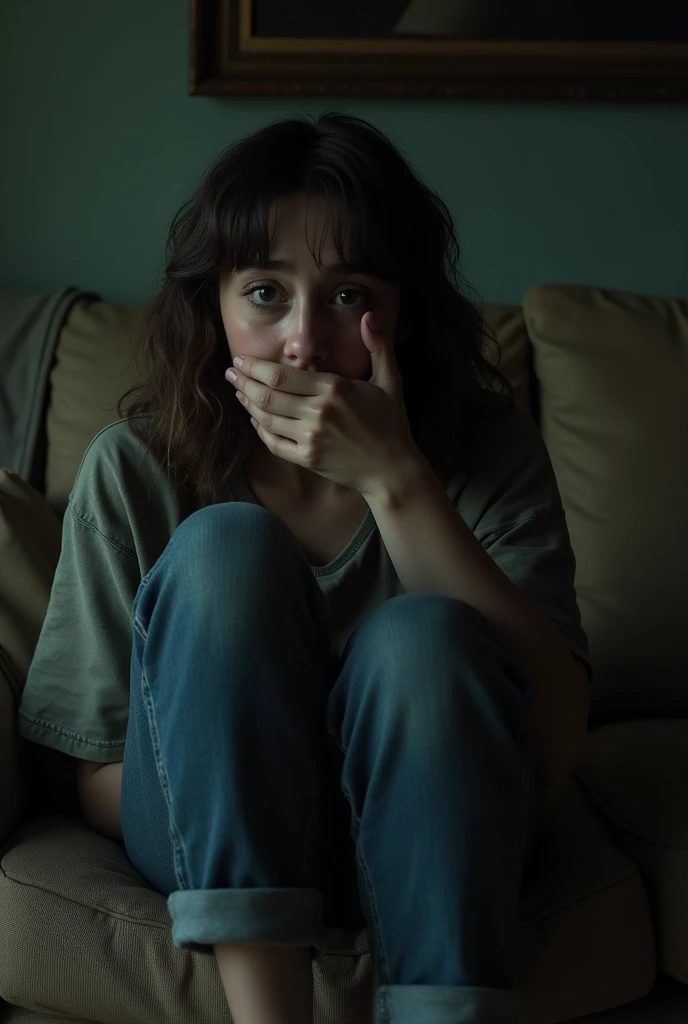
[{"x": 521, "y": 49}]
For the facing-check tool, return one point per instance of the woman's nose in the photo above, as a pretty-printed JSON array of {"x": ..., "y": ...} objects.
[{"x": 307, "y": 340}]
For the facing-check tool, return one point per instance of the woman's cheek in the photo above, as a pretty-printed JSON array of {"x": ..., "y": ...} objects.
[{"x": 248, "y": 337}]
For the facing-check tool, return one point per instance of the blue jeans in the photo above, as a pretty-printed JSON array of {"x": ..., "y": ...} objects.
[{"x": 272, "y": 790}]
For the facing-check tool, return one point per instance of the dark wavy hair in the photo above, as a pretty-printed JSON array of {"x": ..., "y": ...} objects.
[{"x": 399, "y": 230}]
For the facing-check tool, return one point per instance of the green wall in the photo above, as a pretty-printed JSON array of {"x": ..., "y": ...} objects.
[{"x": 101, "y": 143}]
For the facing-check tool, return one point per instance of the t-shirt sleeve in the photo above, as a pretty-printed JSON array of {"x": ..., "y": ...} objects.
[
  {"x": 76, "y": 696},
  {"x": 513, "y": 506}
]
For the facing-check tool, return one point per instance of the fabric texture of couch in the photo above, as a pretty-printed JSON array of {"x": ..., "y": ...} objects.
[{"x": 84, "y": 938}]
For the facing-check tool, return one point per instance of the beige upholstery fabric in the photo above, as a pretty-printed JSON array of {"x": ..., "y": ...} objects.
[
  {"x": 585, "y": 939},
  {"x": 638, "y": 774},
  {"x": 30, "y": 538},
  {"x": 18, "y": 1015},
  {"x": 613, "y": 376},
  {"x": 11, "y": 785},
  {"x": 30, "y": 542},
  {"x": 514, "y": 360},
  {"x": 98, "y": 358}
]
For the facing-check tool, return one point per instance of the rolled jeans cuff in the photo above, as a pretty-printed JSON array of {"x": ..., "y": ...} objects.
[
  {"x": 439, "y": 1004},
  {"x": 274, "y": 917}
]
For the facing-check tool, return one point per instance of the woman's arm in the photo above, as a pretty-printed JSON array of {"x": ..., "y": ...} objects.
[{"x": 434, "y": 551}]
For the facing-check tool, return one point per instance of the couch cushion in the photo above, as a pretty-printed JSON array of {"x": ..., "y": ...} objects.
[
  {"x": 30, "y": 538},
  {"x": 585, "y": 940},
  {"x": 18, "y": 1015},
  {"x": 514, "y": 358},
  {"x": 117, "y": 929},
  {"x": 98, "y": 358},
  {"x": 637, "y": 772},
  {"x": 613, "y": 375},
  {"x": 30, "y": 543}
]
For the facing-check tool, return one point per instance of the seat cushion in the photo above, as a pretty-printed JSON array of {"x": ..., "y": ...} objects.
[
  {"x": 19, "y": 1015},
  {"x": 637, "y": 773},
  {"x": 70, "y": 896},
  {"x": 585, "y": 940}
]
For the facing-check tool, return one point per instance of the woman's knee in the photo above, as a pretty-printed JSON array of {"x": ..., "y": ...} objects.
[
  {"x": 238, "y": 537},
  {"x": 411, "y": 624},
  {"x": 222, "y": 527},
  {"x": 420, "y": 646},
  {"x": 232, "y": 555}
]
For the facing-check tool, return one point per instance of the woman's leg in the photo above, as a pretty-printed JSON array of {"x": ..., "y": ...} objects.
[
  {"x": 222, "y": 762},
  {"x": 431, "y": 716}
]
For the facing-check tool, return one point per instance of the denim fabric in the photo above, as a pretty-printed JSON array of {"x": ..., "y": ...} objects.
[{"x": 273, "y": 791}]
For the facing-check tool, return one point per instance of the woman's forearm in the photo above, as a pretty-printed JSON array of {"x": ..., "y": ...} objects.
[{"x": 434, "y": 551}]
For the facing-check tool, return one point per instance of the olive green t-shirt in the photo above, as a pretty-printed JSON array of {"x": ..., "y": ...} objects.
[{"x": 123, "y": 510}]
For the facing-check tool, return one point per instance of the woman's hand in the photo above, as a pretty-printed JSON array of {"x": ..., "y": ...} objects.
[{"x": 352, "y": 432}]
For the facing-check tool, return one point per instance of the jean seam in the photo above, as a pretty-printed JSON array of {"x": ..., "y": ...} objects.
[
  {"x": 526, "y": 809},
  {"x": 382, "y": 956},
  {"x": 178, "y": 848}
]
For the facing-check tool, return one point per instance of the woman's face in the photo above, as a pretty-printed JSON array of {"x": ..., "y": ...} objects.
[{"x": 294, "y": 314}]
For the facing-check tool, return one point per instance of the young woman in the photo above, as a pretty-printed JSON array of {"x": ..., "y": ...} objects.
[{"x": 331, "y": 652}]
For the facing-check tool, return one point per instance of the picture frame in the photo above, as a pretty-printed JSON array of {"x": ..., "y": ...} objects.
[{"x": 234, "y": 52}]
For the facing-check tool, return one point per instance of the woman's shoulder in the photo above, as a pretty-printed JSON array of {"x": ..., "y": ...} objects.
[
  {"x": 119, "y": 471},
  {"x": 125, "y": 438},
  {"x": 509, "y": 463},
  {"x": 501, "y": 432},
  {"x": 509, "y": 422}
]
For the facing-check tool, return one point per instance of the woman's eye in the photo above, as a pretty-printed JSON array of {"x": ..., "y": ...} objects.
[
  {"x": 262, "y": 289},
  {"x": 265, "y": 295},
  {"x": 350, "y": 292}
]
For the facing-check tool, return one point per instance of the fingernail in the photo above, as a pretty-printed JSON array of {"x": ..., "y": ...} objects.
[
  {"x": 238, "y": 361},
  {"x": 371, "y": 322}
]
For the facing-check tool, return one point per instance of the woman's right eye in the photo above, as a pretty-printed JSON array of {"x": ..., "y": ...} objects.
[{"x": 263, "y": 299}]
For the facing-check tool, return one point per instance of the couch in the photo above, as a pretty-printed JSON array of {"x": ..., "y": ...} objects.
[{"x": 604, "y": 902}]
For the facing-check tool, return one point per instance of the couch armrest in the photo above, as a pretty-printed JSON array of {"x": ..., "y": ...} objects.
[{"x": 30, "y": 544}]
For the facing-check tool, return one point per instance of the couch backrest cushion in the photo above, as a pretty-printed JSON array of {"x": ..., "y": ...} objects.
[
  {"x": 612, "y": 370},
  {"x": 515, "y": 358},
  {"x": 95, "y": 364}
]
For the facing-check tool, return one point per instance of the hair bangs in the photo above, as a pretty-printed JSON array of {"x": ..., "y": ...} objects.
[
  {"x": 247, "y": 229},
  {"x": 244, "y": 233},
  {"x": 353, "y": 223}
]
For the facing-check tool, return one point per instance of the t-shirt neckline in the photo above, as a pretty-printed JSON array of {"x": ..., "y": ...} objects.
[{"x": 245, "y": 491}]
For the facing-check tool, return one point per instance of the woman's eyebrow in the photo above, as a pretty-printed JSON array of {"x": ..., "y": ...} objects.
[{"x": 330, "y": 268}]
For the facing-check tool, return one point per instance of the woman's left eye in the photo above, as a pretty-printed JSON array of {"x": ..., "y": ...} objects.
[{"x": 350, "y": 291}]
